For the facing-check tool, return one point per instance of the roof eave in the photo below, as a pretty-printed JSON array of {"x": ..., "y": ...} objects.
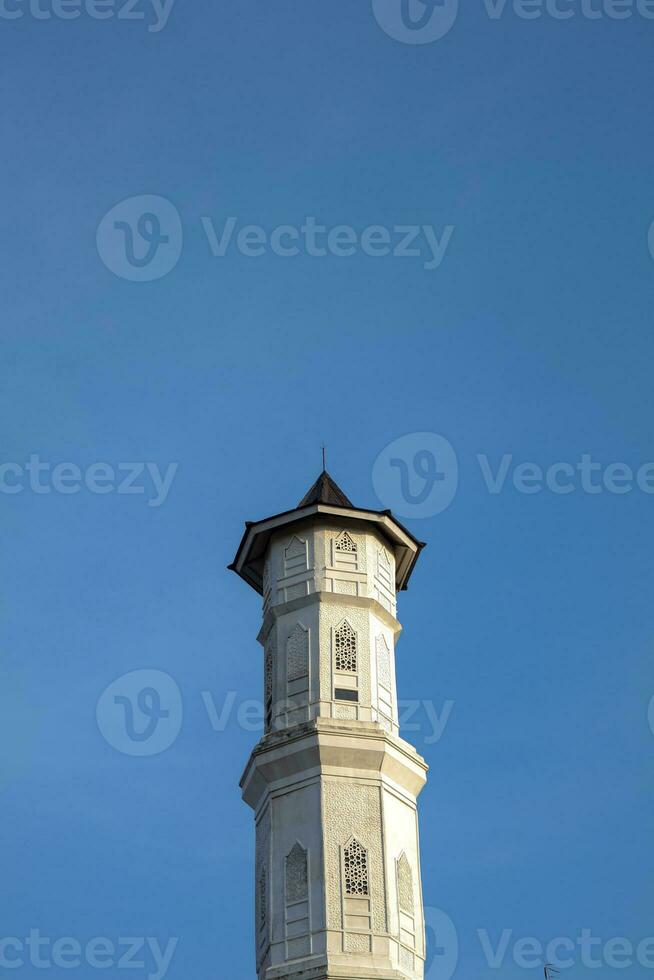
[{"x": 394, "y": 530}]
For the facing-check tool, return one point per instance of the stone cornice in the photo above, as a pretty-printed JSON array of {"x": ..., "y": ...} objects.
[
  {"x": 330, "y": 598},
  {"x": 331, "y": 747}
]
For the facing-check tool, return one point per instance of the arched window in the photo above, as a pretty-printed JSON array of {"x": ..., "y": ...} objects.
[
  {"x": 295, "y": 556},
  {"x": 297, "y": 653},
  {"x": 405, "y": 885},
  {"x": 383, "y": 662},
  {"x": 297, "y": 884},
  {"x": 266, "y": 581},
  {"x": 345, "y": 648},
  {"x": 263, "y": 897},
  {"x": 297, "y": 913},
  {"x": 355, "y": 861},
  {"x": 345, "y": 545},
  {"x": 384, "y": 682},
  {"x": 268, "y": 681},
  {"x": 384, "y": 568}
]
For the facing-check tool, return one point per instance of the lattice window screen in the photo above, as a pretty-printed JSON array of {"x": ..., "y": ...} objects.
[
  {"x": 344, "y": 543},
  {"x": 345, "y": 648},
  {"x": 356, "y": 869}
]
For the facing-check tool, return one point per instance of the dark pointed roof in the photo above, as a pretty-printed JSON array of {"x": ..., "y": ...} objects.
[
  {"x": 325, "y": 497},
  {"x": 325, "y": 491}
]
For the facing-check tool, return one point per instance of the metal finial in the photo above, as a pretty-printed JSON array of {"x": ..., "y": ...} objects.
[{"x": 324, "y": 457}]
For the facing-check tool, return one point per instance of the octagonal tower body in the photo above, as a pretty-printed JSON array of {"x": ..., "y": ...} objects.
[{"x": 333, "y": 786}]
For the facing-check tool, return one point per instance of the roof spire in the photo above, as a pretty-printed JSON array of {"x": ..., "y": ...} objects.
[
  {"x": 324, "y": 458},
  {"x": 325, "y": 491}
]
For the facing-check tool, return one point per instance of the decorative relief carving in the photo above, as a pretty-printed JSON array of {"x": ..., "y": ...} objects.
[
  {"x": 262, "y": 892},
  {"x": 357, "y": 942},
  {"x": 384, "y": 564},
  {"x": 383, "y": 662},
  {"x": 262, "y": 854},
  {"x": 266, "y": 579},
  {"x": 297, "y": 653},
  {"x": 345, "y": 588},
  {"x": 268, "y": 666},
  {"x": 295, "y": 557},
  {"x": 353, "y": 810},
  {"x": 355, "y": 862},
  {"x": 345, "y": 648},
  {"x": 406, "y": 960},
  {"x": 405, "y": 885},
  {"x": 385, "y": 581},
  {"x": 297, "y": 884}
]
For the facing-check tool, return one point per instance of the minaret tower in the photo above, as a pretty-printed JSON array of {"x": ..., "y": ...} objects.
[{"x": 332, "y": 785}]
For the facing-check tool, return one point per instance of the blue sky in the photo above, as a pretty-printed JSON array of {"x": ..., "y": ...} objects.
[{"x": 530, "y": 612}]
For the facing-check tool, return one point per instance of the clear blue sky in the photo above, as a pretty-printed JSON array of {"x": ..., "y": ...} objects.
[{"x": 531, "y": 612}]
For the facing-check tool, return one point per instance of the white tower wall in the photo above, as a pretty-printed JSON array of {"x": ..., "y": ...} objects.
[{"x": 333, "y": 786}]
